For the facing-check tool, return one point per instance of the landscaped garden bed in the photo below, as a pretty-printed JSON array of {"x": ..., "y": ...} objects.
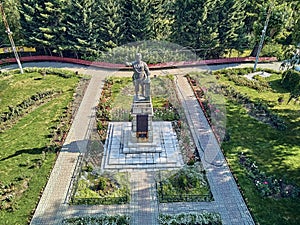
[
  {"x": 188, "y": 184},
  {"x": 105, "y": 189},
  {"x": 115, "y": 105},
  {"x": 261, "y": 141},
  {"x": 36, "y": 109},
  {"x": 204, "y": 218},
  {"x": 101, "y": 219}
]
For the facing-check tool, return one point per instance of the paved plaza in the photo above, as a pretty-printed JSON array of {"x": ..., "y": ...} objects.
[
  {"x": 162, "y": 153},
  {"x": 144, "y": 206}
]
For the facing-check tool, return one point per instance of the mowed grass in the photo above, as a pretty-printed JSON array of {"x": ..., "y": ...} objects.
[
  {"x": 25, "y": 163},
  {"x": 277, "y": 153}
]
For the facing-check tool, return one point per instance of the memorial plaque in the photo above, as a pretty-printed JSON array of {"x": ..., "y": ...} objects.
[{"x": 142, "y": 126}]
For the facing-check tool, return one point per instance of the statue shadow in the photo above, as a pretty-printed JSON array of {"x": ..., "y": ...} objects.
[{"x": 73, "y": 147}]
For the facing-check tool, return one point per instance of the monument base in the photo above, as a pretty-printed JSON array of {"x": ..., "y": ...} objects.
[
  {"x": 121, "y": 154},
  {"x": 132, "y": 144}
]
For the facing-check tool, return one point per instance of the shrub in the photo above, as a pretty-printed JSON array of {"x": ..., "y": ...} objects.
[
  {"x": 190, "y": 218},
  {"x": 101, "y": 219},
  {"x": 273, "y": 49},
  {"x": 290, "y": 80}
]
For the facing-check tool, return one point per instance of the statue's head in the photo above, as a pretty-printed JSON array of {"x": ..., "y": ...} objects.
[{"x": 138, "y": 57}]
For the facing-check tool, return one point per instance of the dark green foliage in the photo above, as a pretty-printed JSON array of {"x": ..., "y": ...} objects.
[
  {"x": 190, "y": 218},
  {"x": 84, "y": 28},
  {"x": 232, "y": 24},
  {"x": 108, "y": 24},
  {"x": 257, "y": 83},
  {"x": 101, "y": 183},
  {"x": 291, "y": 80},
  {"x": 80, "y": 28},
  {"x": 187, "y": 184},
  {"x": 101, "y": 219}
]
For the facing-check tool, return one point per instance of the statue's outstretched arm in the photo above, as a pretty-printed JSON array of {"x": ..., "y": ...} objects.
[{"x": 128, "y": 64}]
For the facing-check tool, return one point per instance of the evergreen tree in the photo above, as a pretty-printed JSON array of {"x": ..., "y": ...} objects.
[
  {"x": 195, "y": 26},
  {"x": 13, "y": 18},
  {"x": 42, "y": 23},
  {"x": 29, "y": 21},
  {"x": 108, "y": 23},
  {"x": 161, "y": 19},
  {"x": 137, "y": 20},
  {"x": 80, "y": 21},
  {"x": 231, "y": 25}
]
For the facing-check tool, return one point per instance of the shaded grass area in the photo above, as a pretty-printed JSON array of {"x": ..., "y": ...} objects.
[
  {"x": 277, "y": 153},
  {"x": 25, "y": 157}
]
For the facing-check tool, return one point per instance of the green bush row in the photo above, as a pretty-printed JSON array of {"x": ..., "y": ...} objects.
[
  {"x": 102, "y": 200},
  {"x": 257, "y": 83},
  {"x": 187, "y": 184},
  {"x": 205, "y": 217},
  {"x": 14, "y": 111},
  {"x": 256, "y": 107},
  {"x": 152, "y": 52},
  {"x": 100, "y": 219}
]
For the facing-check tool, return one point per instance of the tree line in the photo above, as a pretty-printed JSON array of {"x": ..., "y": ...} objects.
[{"x": 87, "y": 28}]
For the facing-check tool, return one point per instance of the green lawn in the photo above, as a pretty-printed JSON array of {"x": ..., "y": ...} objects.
[
  {"x": 25, "y": 161},
  {"x": 276, "y": 153}
]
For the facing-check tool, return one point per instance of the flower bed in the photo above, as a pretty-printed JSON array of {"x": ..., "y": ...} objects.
[
  {"x": 104, "y": 189},
  {"x": 268, "y": 186},
  {"x": 190, "y": 218},
  {"x": 95, "y": 220},
  {"x": 186, "y": 185}
]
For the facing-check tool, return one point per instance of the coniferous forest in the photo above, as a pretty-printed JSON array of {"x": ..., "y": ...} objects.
[{"x": 88, "y": 28}]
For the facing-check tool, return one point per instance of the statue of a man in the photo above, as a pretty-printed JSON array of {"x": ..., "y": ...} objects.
[{"x": 140, "y": 75}]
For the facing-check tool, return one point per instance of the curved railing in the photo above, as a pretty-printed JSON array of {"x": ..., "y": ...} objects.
[{"x": 106, "y": 65}]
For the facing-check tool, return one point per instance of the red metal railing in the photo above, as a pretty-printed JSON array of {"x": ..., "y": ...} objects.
[{"x": 107, "y": 65}]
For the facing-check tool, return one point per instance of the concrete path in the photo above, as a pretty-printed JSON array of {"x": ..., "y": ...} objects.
[
  {"x": 227, "y": 198},
  {"x": 143, "y": 198},
  {"x": 53, "y": 202},
  {"x": 144, "y": 208}
]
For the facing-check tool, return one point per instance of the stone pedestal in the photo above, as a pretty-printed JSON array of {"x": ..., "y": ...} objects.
[{"x": 142, "y": 116}]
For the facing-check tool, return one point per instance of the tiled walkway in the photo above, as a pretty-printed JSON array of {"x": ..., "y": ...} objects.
[{"x": 144, "y": 207}]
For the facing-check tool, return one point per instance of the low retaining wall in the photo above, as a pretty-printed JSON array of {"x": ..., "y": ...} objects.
[{"x": 106, "y": 65}]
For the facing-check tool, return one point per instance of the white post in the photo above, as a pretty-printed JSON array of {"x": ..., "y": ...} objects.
[
  {"x": 262, "y": 37},
  {"x": 9, "y": 33}
]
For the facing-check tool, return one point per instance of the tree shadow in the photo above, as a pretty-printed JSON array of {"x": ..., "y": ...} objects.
[
  {"x": 74, "y": 147},
  {"x": 33, "y": 151}
]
